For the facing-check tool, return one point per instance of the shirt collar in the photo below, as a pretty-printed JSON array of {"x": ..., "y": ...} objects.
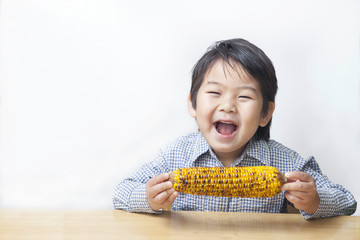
[
  {"x": 257, "y": 149},
  {"x": 201, "y": 147}
]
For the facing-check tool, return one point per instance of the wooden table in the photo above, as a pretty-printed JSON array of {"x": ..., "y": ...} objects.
[{"x": 113, "y": 224}]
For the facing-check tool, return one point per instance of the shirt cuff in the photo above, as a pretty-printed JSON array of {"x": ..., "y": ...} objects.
[
  {"x": 138, "y": 201},
  {"x": 326, "y": 206}
]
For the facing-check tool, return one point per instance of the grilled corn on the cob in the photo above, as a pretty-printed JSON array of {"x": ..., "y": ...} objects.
[{"x": 259, "y": 181}]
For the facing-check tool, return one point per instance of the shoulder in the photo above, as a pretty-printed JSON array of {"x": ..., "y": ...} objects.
[
  {"x": 279, "y": 148},
  {"x": 184, "y": 146},
  {"x": 183, "y": 142},
  {"x": 271, "y": 147},
  {"x": 284, "y": 156},
  {"x": 182, "y": 151}
]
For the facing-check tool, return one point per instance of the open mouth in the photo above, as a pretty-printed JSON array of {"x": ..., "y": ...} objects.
[{"x": 225, "y": 128}]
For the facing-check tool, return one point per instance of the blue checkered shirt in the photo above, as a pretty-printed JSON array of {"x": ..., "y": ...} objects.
[{"x": 193, "y": 151}]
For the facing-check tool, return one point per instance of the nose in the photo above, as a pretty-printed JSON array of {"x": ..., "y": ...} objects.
[{"x": 228, "y": 105}]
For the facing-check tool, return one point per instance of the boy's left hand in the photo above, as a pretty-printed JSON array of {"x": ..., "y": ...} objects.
[{"x": 301, "y": 191}]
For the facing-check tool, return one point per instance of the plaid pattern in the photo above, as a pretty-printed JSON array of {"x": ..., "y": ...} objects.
[{"x": 193, "y": 151}]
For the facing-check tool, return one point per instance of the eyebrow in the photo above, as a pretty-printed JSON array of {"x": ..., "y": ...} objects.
[{"x": 241, "y": 87}]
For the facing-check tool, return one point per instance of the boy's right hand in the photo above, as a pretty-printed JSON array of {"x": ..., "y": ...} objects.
[{"x": 159, "y": 192}]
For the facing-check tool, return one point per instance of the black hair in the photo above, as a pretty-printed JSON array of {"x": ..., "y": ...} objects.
[{"x": 251, "y": 59}]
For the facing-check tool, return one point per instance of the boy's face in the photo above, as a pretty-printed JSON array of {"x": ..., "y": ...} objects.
[{"x": 229, "y": 110}]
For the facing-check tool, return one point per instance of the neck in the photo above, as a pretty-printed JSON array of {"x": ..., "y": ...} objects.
[
  {"x": 227, "y": 162},
  {"x": 228, "y": 158}
]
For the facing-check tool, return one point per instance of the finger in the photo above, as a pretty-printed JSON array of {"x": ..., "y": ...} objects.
[
  {"x": 296, "y": 201},
  {"x": 159, "y": 188},
  {"x": 158, "y": 179},
  {"x": 164, "y": 195},
  {"x": 292, "y": 198},
  {"x": 170, "y": 201},
  {"x": 173, "y": 196},
  {"x": 300, "y": 194},
  {"x": 298, "y": 175},
  {"x": 299, "y": 186},
  {"x": 298, "y": 198},
  {"x": 305, "y": 203}
]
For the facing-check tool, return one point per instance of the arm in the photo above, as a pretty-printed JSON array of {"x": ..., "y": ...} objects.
[{"x": 315, "y": 195}]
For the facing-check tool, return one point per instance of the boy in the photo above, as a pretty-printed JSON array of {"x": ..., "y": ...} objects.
[{"x": 232, "y": 99}]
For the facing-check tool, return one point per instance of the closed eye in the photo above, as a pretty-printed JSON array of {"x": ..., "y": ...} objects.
[
  {"x": 213, "y": 92},
  {"x": 245, "y": 97}
]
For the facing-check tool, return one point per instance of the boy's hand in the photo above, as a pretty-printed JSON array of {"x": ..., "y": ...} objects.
[
  {"x": 301, "y": 191},
  {"x": 159, "y": 192}
]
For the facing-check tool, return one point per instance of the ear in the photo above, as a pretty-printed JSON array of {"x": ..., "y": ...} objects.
[
  {"x": 191, "y": 109},
  {"x": 267, "y": 117}
]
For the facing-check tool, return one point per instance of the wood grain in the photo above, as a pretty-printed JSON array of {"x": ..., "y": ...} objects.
[{"x": 113, "y": 224}]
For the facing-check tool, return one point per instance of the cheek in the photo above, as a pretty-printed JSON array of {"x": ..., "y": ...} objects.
[
  {"x": 206, "y": 106},
  {"x": 251, "y": 113},
  {"x": 204, "y": 115}
]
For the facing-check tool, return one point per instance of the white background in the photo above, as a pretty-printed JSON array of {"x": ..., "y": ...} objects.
[{"x": 90, "y": 90}]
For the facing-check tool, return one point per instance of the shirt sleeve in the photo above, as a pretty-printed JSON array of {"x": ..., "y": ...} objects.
[
  {"x": 130, "y": 194},
  {"x": 334, "y": 199}
]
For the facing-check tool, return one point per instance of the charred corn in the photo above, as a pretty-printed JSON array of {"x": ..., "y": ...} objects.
[{"x": 259, "y": 181}]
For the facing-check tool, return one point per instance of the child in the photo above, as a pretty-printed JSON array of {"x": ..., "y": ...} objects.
[{"x": 232, "y": 99}]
